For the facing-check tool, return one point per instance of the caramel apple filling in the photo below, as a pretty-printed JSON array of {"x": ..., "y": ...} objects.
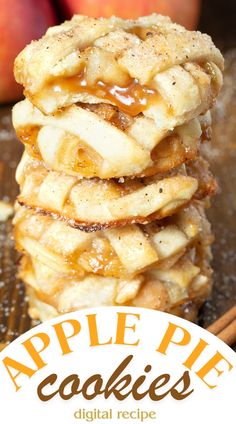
[
  {"x": 128, "y": 64},
  {"x": 170, "y": 153},
  {"x": 29, "y": 137},
  {"x": 127, "y": 93},
  {"x": 73, "y": 155},
  {"x": 132, "y": 98},
  {"x": 101, "y": 259},
  {"x": 97, "y": 258}
]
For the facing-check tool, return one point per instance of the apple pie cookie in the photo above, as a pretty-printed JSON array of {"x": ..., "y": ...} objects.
[
  {"x": 93, "y": 204},
  {"x": 119, "y": 252},
  {"x": 187, "y": 282},
  {"x": 100, "y": 141},
  {"x": 149, "y": 66},
  {"x": 182, "y": 274}
]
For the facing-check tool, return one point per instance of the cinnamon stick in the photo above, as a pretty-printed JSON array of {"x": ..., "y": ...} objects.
[{"x": 225, "y": 327}]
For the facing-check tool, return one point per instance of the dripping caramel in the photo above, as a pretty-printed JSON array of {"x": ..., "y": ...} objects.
[{"x": 132, "y": 99}]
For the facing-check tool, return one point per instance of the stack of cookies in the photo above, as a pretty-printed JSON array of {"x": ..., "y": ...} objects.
[{"x": 113, "y": 187}]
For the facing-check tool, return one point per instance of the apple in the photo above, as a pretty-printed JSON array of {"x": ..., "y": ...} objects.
[
  {"x": 20, "y": 22},
  {"x": 185, "y": 12}
]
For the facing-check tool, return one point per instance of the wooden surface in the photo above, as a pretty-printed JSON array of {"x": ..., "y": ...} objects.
[
  {"x": 13, "y": 307},
  {"x": 222, "y": 156}
]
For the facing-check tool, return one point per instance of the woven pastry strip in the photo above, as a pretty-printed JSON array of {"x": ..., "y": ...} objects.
[
  {"x": 161, "y": 289},
  {"x": 95, "y": 204},
  {"x": 120, "y": 252}
]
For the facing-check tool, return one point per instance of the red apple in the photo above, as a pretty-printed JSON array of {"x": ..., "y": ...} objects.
[
  {"x": 20, "y": 22},
  {"x": 185, "y": 12}
]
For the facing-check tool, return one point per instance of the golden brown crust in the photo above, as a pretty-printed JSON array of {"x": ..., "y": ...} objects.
[
  {"x": 100, "y": 141},
  {"x": 124, "y": 251},
  {"x": 101, "y": 204},
  {"x": 170, "y": 289},
  {"x": 92, "y": 205}
]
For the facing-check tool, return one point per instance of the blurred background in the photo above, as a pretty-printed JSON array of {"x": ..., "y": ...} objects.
[{"x": 24, "y": 20}]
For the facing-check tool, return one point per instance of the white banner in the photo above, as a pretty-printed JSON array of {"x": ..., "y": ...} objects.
[{"x": 117, "y": 365}]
